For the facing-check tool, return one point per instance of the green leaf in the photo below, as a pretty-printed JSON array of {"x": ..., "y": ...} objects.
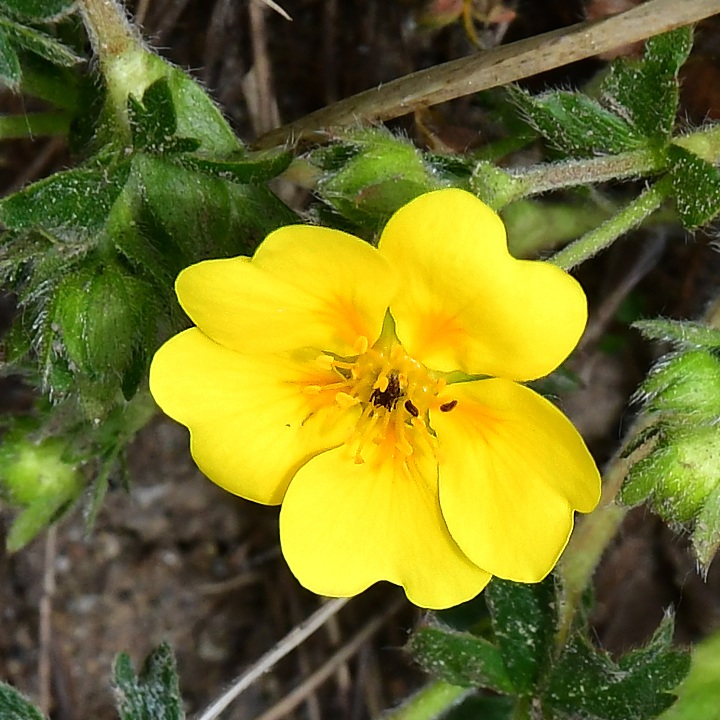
[
  {"x": 680, "y": 332},
  {"x": 577, "y": 124},
  {"x": 153, "y": 121},
  {"x": 696, "y": 185},
  {"x": 250, "y": 169},
  {"x": 646, "y": 91},
  {"x": 68, "y": 204},
  {"x": 10, "y": 70},
  {"x": 483, "y": 707},
  {"x": 13, "y": 706},
  {"x": 460, "y": 658},
  {"x": 37, "y": 9},
  {"x": 524, "y": 621},
  {"x": 586, "y": 682},
  {"x": 698, "y": 694},
  {"x": 155, "y": 693},
  {"x": 35, "y": 41}
]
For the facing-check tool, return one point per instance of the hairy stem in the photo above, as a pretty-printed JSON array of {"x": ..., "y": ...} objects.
[
  {"x": 602, "y": 237},
  {"x": 108, "y": 27},
  {"x": 431, "y": 702}
]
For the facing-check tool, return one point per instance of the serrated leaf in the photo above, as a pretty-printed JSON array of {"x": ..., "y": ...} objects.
[
  {"x": 460, "y": 658},
  {"x": 10, "y": 71},
  {"x": 586, "y": 682},
  {"x": 646, "y": 91},
  {"x": 74, "y": 200},
  {"x": 21, "y": 37},
  {"x": 14, "y": 706},
  {"x": 577, "y": 124},
  {"x": 203, "y": 216},
  {"x": 681, "y": 332},
  {"x": 153, "y": 120},
  {"x": 524, "y": 621},
  {"x": 250, "y": 169},
  {"x": 37, "y": 9},
  {"x": 698, "y": 694},
  {"x": 696, "y": 186},
  {"x": 155, "y": 693}
]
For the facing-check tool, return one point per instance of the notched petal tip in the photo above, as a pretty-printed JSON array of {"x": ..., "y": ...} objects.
[
  {"x": 513, "y": 470},
  {"x": 466, "y": 304},
  {"x": 305, "y": 286}
]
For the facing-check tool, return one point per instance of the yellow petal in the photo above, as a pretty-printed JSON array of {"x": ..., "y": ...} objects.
[
  {"x": 305, "y": 287},
  {"x": 247, "y": 414},
  {"x": 344, "y": 526},
  {"x": 465, "y": 303},
  {"x": 512, "y": 470}
]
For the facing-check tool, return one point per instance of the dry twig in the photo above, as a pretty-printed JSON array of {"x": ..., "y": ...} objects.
[{"x": 496, "y": 67}]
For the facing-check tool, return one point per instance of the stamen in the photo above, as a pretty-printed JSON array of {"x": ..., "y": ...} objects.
[
  {"x": 411, "y": 408},
  {"x": 394, "y": 393}
]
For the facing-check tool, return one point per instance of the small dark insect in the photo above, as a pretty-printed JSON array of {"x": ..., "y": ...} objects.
[
  {"x": 388, "y": 397},
  {"x": 448, "y": 406},
  {"x": 411, "y": 408}
]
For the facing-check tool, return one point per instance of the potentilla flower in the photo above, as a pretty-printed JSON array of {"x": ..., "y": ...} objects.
[{"x": 375, "y": 393}]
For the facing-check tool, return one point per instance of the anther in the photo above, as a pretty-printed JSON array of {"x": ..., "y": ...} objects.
[
  {"x": 411, "y": 408},
  {"x": 448, "y": 406}
]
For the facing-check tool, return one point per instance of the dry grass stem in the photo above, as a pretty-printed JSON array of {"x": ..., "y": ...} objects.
[
  {"x": 496, "y": 67},
  {"x": 294, "y": 638},
  {"x": 331, "y": 666}
]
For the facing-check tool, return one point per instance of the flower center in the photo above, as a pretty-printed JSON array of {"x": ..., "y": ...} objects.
[{"x": 394, "y": 393}]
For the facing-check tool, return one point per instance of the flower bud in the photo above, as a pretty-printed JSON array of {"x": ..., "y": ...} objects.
[
  {"x": 679, "y": 473},
  {"x": 35, "y": 476},
  {"x": 99, "y": 313},
  {"x": 685, "y": 384},
  {"x": 384, "y": 173}
]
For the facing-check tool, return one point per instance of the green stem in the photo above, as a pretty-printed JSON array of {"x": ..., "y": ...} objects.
[
  {"x": 431, "y": 702},
  {"x": 602, "y": 237},
  {"x": 110, "y": 31},
  {"x": 521, "y": 711},
  {"x": 544, "y": 178},
  {"x": 34, "y": 125}
]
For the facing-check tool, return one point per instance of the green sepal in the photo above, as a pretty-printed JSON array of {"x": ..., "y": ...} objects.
[
  {"x": 646, "y": 92},
  {"x": 680, "y": 332},
  {"x": 577, "y": 124},
  {"x": 696, "y": 187},
  {"x": 383, "y": 173},
  {"x": 154, "y": 694},
  {"x": 685, "y": 385},
  {"x": 585, "y": 682},
  {"x": 98, "y": 312},
  {"x": 14, "y": 706},
  {"x": 678, "y": 474},
  {"x": 524, "y": 624},
  {"x": 460, "y": 658},
  {"x": 494, "y": 186}
]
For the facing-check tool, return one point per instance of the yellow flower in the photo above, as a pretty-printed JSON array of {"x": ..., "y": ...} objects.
[{"x": 375, "y": 393}]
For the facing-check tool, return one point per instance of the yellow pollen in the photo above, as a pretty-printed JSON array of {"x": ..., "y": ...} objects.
[{"x": 394, "y": 393}]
